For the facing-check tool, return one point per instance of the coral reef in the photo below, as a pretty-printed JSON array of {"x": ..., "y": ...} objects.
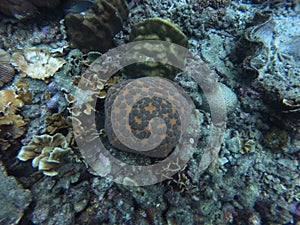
[
  {"x": 36, "y": 63},
  {"x": 7, "y": 72},
  {"x": 96, "y": 28},
  {"x": 251, "y": 46},
  {"x": 15, "y": 199},
  {"x": 47, "y": 152}
]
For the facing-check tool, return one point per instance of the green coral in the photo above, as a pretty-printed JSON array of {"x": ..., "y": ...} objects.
[{"x": 161, "y": 30}]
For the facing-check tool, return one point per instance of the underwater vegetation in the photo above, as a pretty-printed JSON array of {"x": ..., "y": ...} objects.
[{"x": 51, "y": 75}]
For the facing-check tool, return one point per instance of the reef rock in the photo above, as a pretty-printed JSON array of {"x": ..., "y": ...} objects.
[
  {"x": 95, "y": 28},
  {"x": 25, "y": 9},
  {"x": 15, "y": 199}
]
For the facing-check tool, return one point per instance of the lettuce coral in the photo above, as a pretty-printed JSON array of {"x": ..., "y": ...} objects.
[{"x": 46, "y": 151}]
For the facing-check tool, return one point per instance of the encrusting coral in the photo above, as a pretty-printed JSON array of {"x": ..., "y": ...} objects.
[
  {"x": 12, "y": 125},
  {"x": 36, "y": 63},
  {"x": 160, "y": 30},
  {"x": 46, "y": 151}
]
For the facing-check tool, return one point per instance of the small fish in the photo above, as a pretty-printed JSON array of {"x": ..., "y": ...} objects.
[{"x": 79, "y": 7}]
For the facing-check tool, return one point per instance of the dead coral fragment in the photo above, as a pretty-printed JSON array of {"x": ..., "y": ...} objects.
[
  {"x": 7, "y": 72},
  {"x": 46, "y": 151},
  {"x": 36, "y": 63}
]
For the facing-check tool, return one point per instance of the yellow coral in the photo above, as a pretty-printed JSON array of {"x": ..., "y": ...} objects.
[
  {"x": 36, "y": 63},
  {"x": 9, "y": 101},
  {"x": 12, "y": 126},
  {"x": 46, "y": 151}
]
